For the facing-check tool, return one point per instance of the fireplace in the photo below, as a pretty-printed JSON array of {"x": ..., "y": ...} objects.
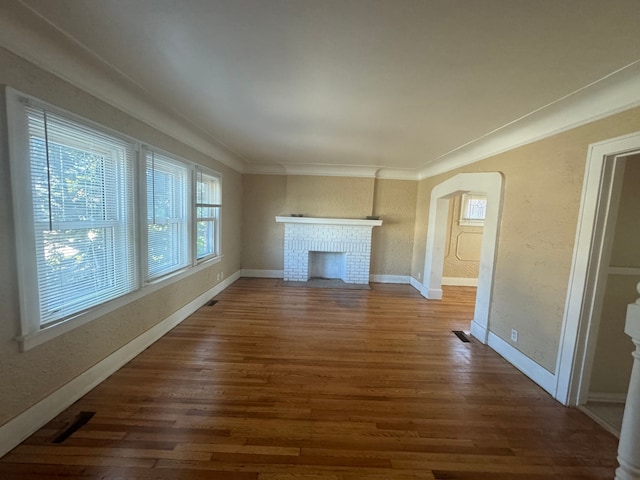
[
  {"x": 329, "y": 265},
  {"x": 327, "y": 248}
]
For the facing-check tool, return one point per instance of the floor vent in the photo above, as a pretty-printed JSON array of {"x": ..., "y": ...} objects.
[
  {"x": 212, "y": 303},
  {"x": 461, "y": 335},
  {"x": 79, "y": 422}
]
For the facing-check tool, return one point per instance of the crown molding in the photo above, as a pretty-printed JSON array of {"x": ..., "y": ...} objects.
[
  {"x": 265, "y": 169},
  {"x": 330, "y": 170},
  {"x": 397, "y": 173},
  {"x": 612, "y": 94},
  {"x": 29, "y": 36}
]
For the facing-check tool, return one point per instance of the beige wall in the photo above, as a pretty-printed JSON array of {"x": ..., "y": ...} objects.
[
  {"x": 266, "y": 196},
  {"x": 464, "y": 242},
  {"x": 26, "y": 378},
  {"x": 345, "y": 197},
  {"x": 392, "y": 243},
  {"x": 612, "y": 359},
  {"x": 542, "y": 189}
]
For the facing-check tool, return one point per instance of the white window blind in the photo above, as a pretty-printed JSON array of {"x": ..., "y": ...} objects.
[
  {"x": 167, "y": 215},
  {"x": 81, "y": 181},
  {"x": 208, "y": 206}
]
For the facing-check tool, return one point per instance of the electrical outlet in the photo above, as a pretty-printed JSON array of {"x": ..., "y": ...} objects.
[
  {"x": 419, "y": 276},
  {"x": 514, "y": 335},
  {"x": 221, "y": 275},
  {"x": 218, "y": 277}
]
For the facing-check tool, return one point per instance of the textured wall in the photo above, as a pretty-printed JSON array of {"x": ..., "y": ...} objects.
[
  {"x": 265, "y": 196},
  {"x": 395, "y": 203},
  {"x": 542, "y": 189},
  {"x": 613, "y": 361},
  {"x": 344, "y": 197},
  {"x": 26, "y": 378},
  {"x": 464, "y": 242}
]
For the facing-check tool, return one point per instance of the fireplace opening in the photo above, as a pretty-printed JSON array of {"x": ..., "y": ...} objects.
[{"x": 328, "y": 265}]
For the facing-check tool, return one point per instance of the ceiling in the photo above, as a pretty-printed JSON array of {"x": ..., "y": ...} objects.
[{"x": 395, "y": 84}]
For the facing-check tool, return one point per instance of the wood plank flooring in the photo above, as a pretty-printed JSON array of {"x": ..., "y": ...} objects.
[{"x": 276, "y": 383}]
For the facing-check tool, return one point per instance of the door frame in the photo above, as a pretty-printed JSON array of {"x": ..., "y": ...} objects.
[{"x": 577, "y": 340}]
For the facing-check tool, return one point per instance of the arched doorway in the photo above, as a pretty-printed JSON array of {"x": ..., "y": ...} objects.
[{"x": 486, "y": 182}]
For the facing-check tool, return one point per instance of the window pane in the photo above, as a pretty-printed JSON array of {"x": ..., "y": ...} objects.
[
  {"x": 82, "y": 197},
  {"x": 205, "y": 238},
  {"x": 476, "y": 208},
  {"x": 207, "y": 213},
  {"x": 167, "y": 215}
]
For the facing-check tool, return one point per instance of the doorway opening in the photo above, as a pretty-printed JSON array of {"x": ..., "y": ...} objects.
[
  {"x": 489, "y": 184},
  {"x": 597, "y": 279}
]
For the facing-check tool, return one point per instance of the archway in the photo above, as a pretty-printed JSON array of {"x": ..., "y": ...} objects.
[{"x": 491, "y": 184}]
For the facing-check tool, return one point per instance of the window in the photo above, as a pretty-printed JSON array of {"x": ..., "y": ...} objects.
[
  {"x": 473, "y": 209},
  {"x": 167, "y": 185},
  {"x": 79, "y": 211},
  {"x": 99, "y": 217},
  {"x": 208, "y": 205}
]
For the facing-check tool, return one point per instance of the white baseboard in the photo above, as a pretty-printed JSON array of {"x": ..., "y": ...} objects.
[
  {"x": 418, "y": 286},
  {"x": 531, "y": 369},
  {"x": 479, "y": 332},
  {"x": 389, "y": 278},
  {"x": 434, "y": 293},
  {"x": 25, "y": 424},
  {"x": 247, "y": 272},
  {"x": 607, "y": 397},
  {"x": 460, "y": 281},
  {"x": 255, "y": 273}
]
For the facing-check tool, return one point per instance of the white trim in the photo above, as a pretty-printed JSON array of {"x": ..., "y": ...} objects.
[
  {"x": 434, "y": 294},
  {"x": 398, "y": 173},
  {"x": 631, "y": 271},
  {"x": 19, "y": 428},
  {"x": 31, "y": 37},
  {"x": 609, "y": 428},
  {"x": 460, "y": 281},
  {"x": 329, "y": 221},
  {"x": 404, "y": 279},
  {"x": 612, "y": 94},
  {"x": 330, "y": 170},
  {"x": 252, "y": 273},
  {"x": 575, "y": 328},
  {"x": 478, "y": 331},
  {"x": 415, "y": 283},
  {"x": 531, "y": 369},
  {"x": 491, "y": 184},
  {"x": 605, "y": 397}
]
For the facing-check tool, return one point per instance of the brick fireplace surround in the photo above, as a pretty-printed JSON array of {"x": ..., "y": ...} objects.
[{"x": 351, "y": 237}]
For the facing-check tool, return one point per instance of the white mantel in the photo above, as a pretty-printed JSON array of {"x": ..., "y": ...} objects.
[
  {"x": 350, "y": 237},
  {"x": 329, "y": 221}
]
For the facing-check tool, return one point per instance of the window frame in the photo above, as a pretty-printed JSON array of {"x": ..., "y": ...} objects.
[
  {"x": 199, "y": 172},
  {"x": 32, "y": 332},
  {"x": 187, "y": 210},
  {"x": 465, "y": 220}
]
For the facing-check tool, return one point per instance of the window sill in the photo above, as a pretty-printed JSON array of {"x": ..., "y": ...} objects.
[
  {"x": 471, "y": 223},
  {"x": 49, "y": 332}
]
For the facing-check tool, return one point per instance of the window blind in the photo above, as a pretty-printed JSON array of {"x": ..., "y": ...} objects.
[
  {"x": 167, "y": 215},
  {"x": 83, "y": 218}
]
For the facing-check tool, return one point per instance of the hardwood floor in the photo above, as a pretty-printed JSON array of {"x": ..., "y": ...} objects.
[{"x": 275, "y": 383}]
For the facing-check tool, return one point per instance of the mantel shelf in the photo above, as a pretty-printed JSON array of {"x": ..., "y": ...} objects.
[{"x": 329, "y": 221}]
